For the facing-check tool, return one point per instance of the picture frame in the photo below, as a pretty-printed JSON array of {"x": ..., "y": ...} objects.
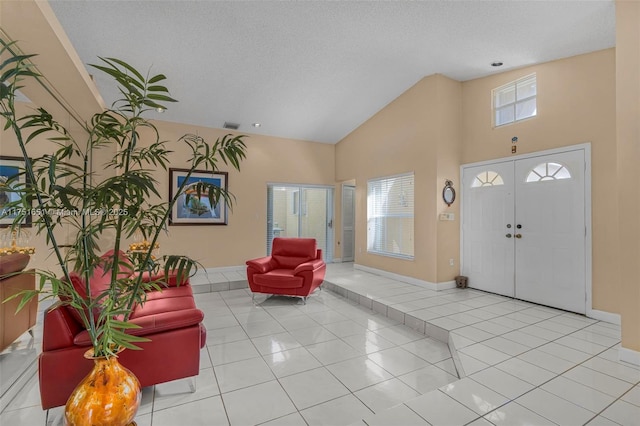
[
  {"x": 191, "y": 210},
  {"x": 12, "y": 177}
]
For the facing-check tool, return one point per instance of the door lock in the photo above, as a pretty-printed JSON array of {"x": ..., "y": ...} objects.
[
  {"x": 519, "y": 226},
  {"x": 509, "y": 225},
  {"x": 508, "y": 235},
  {"x": 518, "y": 235}
]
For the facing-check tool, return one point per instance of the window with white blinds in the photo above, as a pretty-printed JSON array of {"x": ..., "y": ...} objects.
[{"x": 390, "y": 202}]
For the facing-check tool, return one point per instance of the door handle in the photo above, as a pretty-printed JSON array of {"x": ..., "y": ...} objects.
[
  {"x": 518, "y": 235},
  {"x": 508, "y": 235}
]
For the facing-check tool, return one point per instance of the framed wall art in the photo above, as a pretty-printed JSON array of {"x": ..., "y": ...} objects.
[
  {"x": 194, "y": 206},
  {"x": 12, "y": 180}
]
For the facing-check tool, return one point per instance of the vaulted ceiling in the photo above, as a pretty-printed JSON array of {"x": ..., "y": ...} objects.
[{"x": 316, "y": 70}]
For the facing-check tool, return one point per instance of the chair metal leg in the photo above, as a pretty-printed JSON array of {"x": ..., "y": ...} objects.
[
  {"x": 192, "y": 384},
  {"x": 304, "y": 300},
  {"x": 54, "y": 416}
]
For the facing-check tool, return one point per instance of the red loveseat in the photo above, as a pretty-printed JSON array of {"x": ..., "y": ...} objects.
[
  {"x": 169, "y": 318},
  {"x": 295, "y": 268}
]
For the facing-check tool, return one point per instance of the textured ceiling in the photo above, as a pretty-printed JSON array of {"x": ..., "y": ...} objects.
[{"x": 316, "y": 70}]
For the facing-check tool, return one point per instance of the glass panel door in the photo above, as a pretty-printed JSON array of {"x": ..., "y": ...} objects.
[{"x": 301, "y": 211}]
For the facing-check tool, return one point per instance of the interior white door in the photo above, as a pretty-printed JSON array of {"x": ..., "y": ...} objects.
[
  {"x": 348, "y": 223},
  {"x": 488, "y": 228},
  {"x": 550, "y": 226}
]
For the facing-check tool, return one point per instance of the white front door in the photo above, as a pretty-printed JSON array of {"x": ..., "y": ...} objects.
[
  {"x": 524, "y": 229},
  {"x": 550, "y": 224},
  {"x": 488, "y": 227}
]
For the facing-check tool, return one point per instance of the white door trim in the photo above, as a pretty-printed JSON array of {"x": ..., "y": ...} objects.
[
  {"x": 586, "y": 147},
  {"x": 352, "y": 187}
]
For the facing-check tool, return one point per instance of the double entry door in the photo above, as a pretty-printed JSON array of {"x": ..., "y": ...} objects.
[{"x": 524, "y": 229}]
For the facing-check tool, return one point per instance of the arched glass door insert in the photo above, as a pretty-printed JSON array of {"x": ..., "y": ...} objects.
[
  {"x": 487, "y": 178},
  {"x": 548, "y": 171}
]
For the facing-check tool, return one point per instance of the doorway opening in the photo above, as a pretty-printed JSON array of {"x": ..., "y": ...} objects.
[{"x": 301, "y": 211}]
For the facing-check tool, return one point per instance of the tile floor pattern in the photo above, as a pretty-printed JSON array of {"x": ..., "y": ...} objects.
[{"x": 336, "y": 362}]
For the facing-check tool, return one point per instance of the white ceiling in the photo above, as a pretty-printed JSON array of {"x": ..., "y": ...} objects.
[{"x": 316, "y": 70}]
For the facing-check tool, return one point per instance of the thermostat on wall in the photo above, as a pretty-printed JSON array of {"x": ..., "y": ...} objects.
[{"x": 447, "y": 216}]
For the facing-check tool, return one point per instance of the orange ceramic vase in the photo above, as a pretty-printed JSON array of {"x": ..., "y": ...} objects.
[{"x": 108, "y": 396}]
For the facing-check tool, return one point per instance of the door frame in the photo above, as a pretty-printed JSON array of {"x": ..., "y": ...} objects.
[
  {"x": 586, "y": 147},
  {"x": 352, "y": 187},
  {"x": 331, "y": 192}
]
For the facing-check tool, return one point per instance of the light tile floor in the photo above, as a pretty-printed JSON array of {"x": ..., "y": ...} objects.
[{"x": 360, "y": 356}]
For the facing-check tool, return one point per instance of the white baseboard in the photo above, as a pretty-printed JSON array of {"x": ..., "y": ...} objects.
[
  {"x": 629, "y": 355},
  {"x": 604, "y": 316},
  {"x": 445, "y": 285},
  {"x": 337, "y": 260},
  {"x": 409, "y": 280},
  {"x": 222, "y": 270}
]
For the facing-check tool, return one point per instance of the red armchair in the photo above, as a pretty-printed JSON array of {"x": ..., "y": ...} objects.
[
  {"x": 169, "y": 318},
  {"x": 295, "y": 268}
]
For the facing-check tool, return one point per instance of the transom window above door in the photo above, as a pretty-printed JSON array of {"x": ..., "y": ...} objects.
[
  {"x": 487, "y": 178},
  {"x": 548, "y": 171},
  {"x": 515, "y": 101}
]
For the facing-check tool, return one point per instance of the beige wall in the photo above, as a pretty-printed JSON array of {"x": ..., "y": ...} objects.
[
  {"x": 449, "y": 141},
  {"x": 35, "y": 27},
  {"x": 576, "y": 104},
  {"x": 72, "y": 96},
  {"x": 410, "y": 134},
  {"x": 44, "y": 257},
  {"x": 628, "y": 143},
  {"x": 439, "y": 124},
  {"x": 269, "y": 160}
]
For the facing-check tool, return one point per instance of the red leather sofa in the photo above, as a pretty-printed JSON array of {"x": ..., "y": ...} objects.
[
  {"x": 168, "y": 317},
  {"x": 295, "y": 268}
]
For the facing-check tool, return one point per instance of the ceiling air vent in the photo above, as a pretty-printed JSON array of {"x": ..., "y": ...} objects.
[{"x": 232, "y": 126}]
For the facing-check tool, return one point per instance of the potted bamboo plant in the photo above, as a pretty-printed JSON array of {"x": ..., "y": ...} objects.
[{"x": 120, "y": 204}]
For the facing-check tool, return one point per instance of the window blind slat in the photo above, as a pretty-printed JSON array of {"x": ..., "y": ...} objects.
[{"x": 390, "y": 216}]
